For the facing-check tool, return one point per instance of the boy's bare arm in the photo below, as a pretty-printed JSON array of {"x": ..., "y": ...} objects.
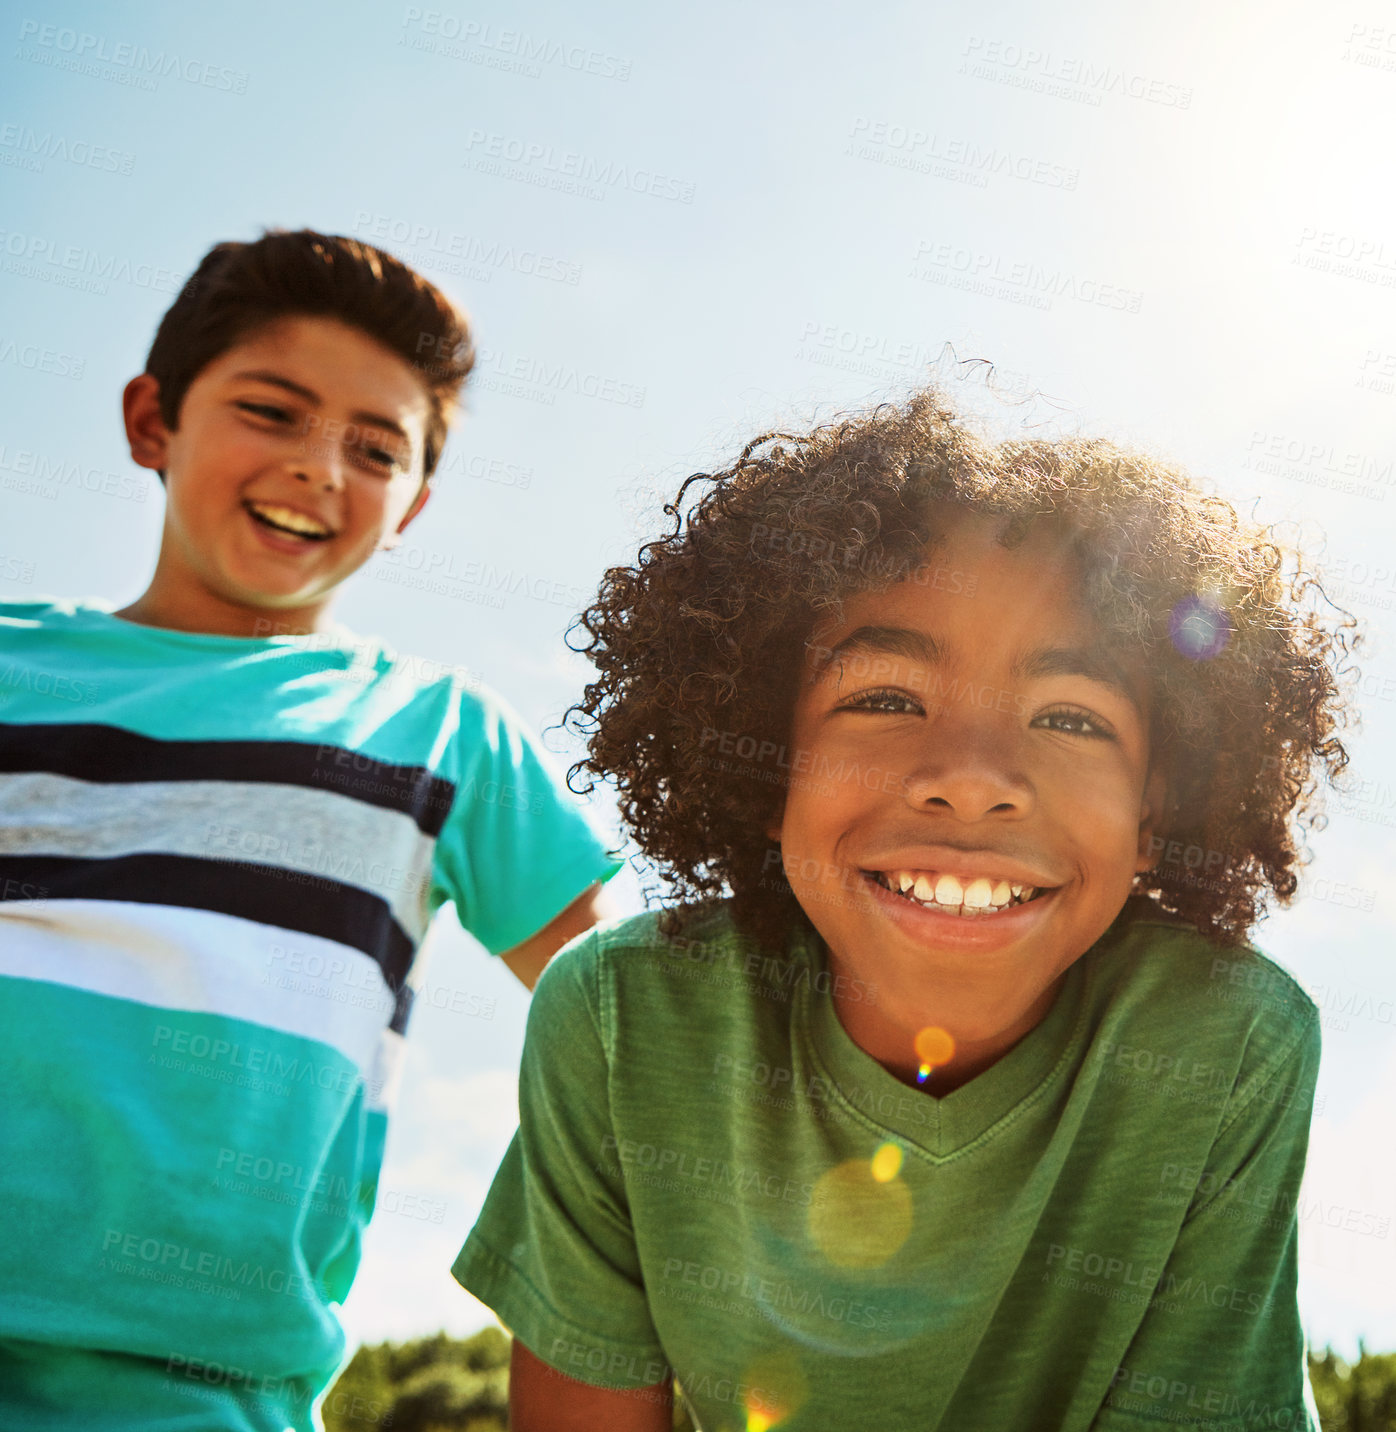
[
  {"x": 527, "y": 960},
  {"x": 542, "y": 1400}
]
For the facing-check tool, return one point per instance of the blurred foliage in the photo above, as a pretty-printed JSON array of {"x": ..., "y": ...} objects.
[
  {"x": 445, "y": 1384},
  {"x": 1358, "y": 1396},
  {"x": 435, "y": 1384}
]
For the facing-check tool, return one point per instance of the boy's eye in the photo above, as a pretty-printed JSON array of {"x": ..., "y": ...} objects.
[
  {"x": 891, "y": 701},
  {"x": 381, "y": 457},
  {"x": 266, "y": 410},
  {"x": 1074, "y": 722}
]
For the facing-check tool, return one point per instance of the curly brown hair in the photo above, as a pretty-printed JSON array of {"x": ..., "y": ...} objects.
[{"x": 1249, "y": 662}]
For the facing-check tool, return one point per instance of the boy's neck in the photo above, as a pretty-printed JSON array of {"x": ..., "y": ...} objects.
[
  {"x": 193, "y": 608},
  {"x": 888, "y": 1041}
]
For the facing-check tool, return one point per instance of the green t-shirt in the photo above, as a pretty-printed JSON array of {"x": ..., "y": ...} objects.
[{"x": 1099, "y": 1231}]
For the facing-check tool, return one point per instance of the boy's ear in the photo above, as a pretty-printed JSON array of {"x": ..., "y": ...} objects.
[
  {"x": 1151, "y": 816},
  {"x": 146, "y": 433},
  {"x": 418, "y": 502}
]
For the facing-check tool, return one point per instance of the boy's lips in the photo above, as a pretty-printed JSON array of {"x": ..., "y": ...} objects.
[
  {"x": 285, "y": 527},
  {"x": 973, "y": 898},
  {"x": 979, "y": 930},
  {"x": 964, "y": 865}
]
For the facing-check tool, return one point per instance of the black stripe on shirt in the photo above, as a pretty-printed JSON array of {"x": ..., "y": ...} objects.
[
  {"x": 287, "y": 899},
  {"x": 113, "y": 755}
]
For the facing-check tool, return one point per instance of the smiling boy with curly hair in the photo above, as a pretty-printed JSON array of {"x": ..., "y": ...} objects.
[{"x": 968, "y": 1106}]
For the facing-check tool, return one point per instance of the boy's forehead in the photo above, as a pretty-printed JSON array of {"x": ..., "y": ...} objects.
[
  {"x": 967, "y": 571},
  {"x": 970, "y": 594},
  {"x": 335, "y": 361}
]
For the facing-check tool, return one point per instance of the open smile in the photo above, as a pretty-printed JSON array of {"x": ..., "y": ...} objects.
[
  {"x": 287, "y": 521},
  {"x": 975, "y": 897},
  {"x": 977, "y": 930}
]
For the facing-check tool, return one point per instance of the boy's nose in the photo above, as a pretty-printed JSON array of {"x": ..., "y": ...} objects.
[
  {"x": 320, "y": 471},
  {"x": 970, "y": 775}
]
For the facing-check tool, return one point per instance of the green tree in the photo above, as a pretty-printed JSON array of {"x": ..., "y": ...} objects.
[
  {"x": 1355, "y": 1397},
  {"x": 445, "y": 1384}
]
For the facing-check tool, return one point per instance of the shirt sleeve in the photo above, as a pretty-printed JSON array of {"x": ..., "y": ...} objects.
[
  {"x": 553, "y": 1252},
  {"x": 1221, "y": 1346},
  {"x": 516, "y": 847}
]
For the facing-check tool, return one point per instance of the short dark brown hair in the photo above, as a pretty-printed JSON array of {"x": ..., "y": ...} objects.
[
  {"x": 706, "y": 634},
  {"x": 240, "y": 287}
]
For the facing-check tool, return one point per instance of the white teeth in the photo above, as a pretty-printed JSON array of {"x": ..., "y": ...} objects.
[
  {"x": 949, "y": 891},
  {"x": 289, "y": 518}
]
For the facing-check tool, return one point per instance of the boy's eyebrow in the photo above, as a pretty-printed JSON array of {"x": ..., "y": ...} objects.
[
  {"x": 892, "y": 641},
  {"x": 265, "y": 375},
  {"x": 1094, "y": 663}
]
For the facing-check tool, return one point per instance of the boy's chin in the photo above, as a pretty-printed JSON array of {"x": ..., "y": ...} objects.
[{"x": 276, "y": 604}]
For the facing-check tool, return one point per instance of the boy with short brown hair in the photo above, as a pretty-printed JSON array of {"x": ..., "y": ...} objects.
[{"x": 219, "y": 858}]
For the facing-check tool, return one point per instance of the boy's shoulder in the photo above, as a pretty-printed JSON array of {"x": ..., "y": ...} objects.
[
  {"x": 630, "y": 969},
  {"x": 35, "y": 612},
  {"x": 364, "y": 658},
  {"x": 1158, "y": 978},
  {"x": 632, "y": 946}
]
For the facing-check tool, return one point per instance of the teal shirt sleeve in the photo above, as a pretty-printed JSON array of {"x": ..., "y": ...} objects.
[
  {"x": 516, "y": 847},
  {"x": 1221, "y": 1346},
  {"x": 553, "y": 1252}
]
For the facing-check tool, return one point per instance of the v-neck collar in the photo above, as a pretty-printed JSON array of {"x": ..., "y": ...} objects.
[{"x": 950, "y": 1126}]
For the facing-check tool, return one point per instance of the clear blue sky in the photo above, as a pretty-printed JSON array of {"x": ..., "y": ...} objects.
[{"x": 676, "y": 227}]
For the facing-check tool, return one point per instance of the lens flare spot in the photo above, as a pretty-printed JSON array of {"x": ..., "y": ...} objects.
[
  {"x": 1199, "y": 627},
  {"x": 933, "y": 1046},
  {"x": 776, "y": 1390},
  {"x": 857, "y": 1220},
  {"x": 887, "y": 1162}
]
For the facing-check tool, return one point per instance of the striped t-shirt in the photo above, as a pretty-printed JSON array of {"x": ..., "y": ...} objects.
[{"x": 218, "y": 857}]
